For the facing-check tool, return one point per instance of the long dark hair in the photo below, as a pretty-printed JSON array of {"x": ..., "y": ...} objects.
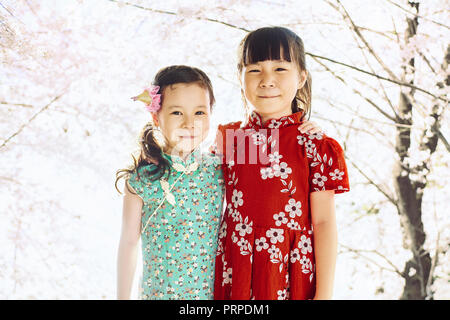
[
  {"x": 266, "y": 44},
  {"x": 150, "y": 150}
]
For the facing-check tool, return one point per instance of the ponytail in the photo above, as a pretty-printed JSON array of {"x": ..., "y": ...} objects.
[{"x": 151, "y": 152}]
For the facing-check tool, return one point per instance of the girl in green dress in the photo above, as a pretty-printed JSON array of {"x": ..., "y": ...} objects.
[{"x": 173, "y": 193}]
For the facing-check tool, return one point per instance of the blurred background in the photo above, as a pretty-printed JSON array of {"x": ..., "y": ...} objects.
[{"x": 69, "y": 67}]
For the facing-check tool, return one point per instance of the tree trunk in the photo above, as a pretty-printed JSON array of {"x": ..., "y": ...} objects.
[{"x": 409, "y": 193}]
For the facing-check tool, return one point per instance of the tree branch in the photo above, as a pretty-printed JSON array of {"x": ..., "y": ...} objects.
[
  {"x": 416, "y": 15},
  {"x": 307, "y": 53},
  {"x": 358, "y": 252},
  {"x": 355, "y": 28},
  {"x": 394, "y": 119},
  {"x": 400, "y": 83},
  {"x": 30, "y": 120},
  {"x": 175, "y": 14},
  {"x": 17, "y": 104},
  {"x": 389, "y": 197},
  {"x": 384, "y": 113}
]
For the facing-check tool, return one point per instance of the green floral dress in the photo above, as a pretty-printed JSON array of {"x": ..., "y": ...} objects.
[{"x": 179, "y": 227}]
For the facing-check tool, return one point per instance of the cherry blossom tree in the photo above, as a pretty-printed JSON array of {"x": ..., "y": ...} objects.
[{"x": 413, "y": 154}]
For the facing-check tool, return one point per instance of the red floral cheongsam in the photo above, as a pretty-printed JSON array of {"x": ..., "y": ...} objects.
[{"x": 266, "y": 247}]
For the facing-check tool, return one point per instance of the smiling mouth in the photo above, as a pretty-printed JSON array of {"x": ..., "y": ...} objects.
[
  {"x": 268, "y": 97},
  {"x": 188, "y": 137}
]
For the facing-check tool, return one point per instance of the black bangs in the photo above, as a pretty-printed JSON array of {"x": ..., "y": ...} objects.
[{"x": 266, "y": 44}]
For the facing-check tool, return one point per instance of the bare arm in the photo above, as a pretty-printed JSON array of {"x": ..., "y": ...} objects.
[
  {"x": 325, "y": 241},
  {"x": 128, "y": 246}
]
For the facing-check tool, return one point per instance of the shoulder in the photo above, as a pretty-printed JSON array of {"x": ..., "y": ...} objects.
[
  {"x": 221, "y": 135},
  {"x": 139, "y": 181},
  {"x": 210, "y": 159},
  {"x": 231, "y": 125},
  {"x": 325, "y": 142},
  {"x": 317, "y": 140},
  {"x": 319, "y": 145},
  {"x": 142, "y": 174}
]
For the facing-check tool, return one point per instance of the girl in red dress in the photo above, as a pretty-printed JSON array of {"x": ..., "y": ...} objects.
[{"x": 278, "y": 237}]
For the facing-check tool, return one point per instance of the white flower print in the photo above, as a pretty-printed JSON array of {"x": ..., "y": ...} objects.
[
  {"x": 307, "y": 267},
  {"x": 295, "y": 255},
  {"x": 258, "y": 138},
  {"x": 235, "y": 215},
  {"x": 319, "y": 179},
  {"x": 301, "y": 140},
  {"x": 281, "y": 170},
  {"x": 275, "y": 157},
  {"x": 219, "y": 248},
  {"x": 309, "y": 146},
  {"x": 242, "y": 243},
  {"x": 261, "y": 244},
  {"x": 280, "y": 218},
  {"x": 274, "y": 124},
  {"x": 244, "y": 227},
  {"x": 236, "y": 198},
  {"x": 234, "y": 238},
  {"x": 293, "y": 208},
  {"x": 281, "y": 294},
  {"x": 244, "y": 246},
  {"x": 317, "y": 136},
  {"x": 227, "y": 276},
  {"x": 336, "y": 174},
  {"x": 266, "y": 173},
  {"x": 305, "y": 244},
  {"x": 275, "y": 235},
  {"x": 293, "y": 225},
  {"x": 253, "y": 116},
  {"x": 223, "y": 230},
  {"x": 274, "y": 252},
  {"x": 304, "y": 262},
  {"x": 230, "y": 164}
]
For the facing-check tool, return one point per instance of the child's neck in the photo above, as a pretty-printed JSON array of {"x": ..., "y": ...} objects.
[
  {"x": 266, "y": 116},
  {"x": 183, "y": 155}
]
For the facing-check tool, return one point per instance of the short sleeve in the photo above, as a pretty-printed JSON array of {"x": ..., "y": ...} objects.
[
  {"x": 221, "y": 137},
  {"x": 138, "y": 182},
  {"x": 328, "y": 170},
  {"x": 217, "y": 146}
]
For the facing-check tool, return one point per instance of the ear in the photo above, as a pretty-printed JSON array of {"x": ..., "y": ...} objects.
[
  {"x": 303, "y": 77},
  {"x": 155, "y": 119}
]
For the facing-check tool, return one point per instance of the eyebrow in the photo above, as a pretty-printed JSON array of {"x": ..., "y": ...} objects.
[
  {"x": 175, "y": 106},
  {"x": 258, "y": 62}
]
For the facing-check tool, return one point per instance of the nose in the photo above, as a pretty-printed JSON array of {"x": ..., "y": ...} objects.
[
  {"x": 188, "y": 122},
  {"x": 267, "y": 80}
]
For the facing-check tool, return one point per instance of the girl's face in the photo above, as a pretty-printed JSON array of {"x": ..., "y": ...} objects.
[
  {"x": 270, "y": 86},
  {"x": 184, "y": 117}
]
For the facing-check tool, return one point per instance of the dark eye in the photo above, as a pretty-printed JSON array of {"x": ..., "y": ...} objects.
[
  {"x": 280, "y": 69},
  {"x": 177, "y": 113},
  {"x": 200, "y": 113},
  {"x": 253, "y": 70}
]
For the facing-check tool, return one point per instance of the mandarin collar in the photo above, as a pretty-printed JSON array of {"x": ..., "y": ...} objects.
[
  {"x": 192, "y": 157},
  {"x": 255, "y": 121}
]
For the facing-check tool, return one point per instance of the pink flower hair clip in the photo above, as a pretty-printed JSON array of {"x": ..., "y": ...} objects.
[{"x": 151, "y": 98}]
